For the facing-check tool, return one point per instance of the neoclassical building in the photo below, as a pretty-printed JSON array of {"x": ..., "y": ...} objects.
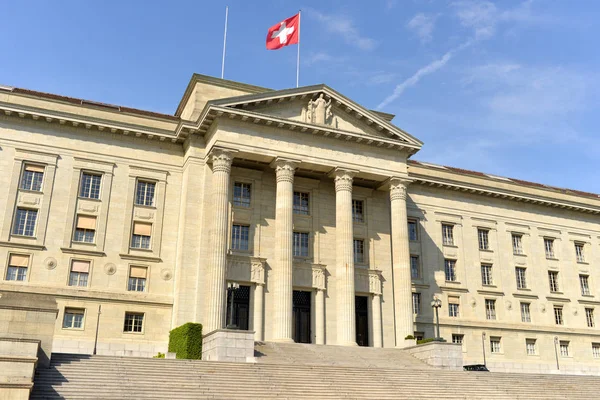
[{"x": 297, "y": 214}]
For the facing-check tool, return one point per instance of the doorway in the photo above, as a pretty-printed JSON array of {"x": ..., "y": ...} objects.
[
  {"x": 241, "y": 308},
  {"x": 362, "y": 320},
  {"x": 301, "y": 317}
]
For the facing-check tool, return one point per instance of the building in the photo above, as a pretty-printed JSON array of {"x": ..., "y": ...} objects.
[{"x": 306, "y": 200}]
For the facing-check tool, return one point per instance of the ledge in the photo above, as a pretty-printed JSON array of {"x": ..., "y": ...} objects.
[
  {"x": 561, "y": 299},
  {"x": 491, "y": 292},
  {"x": 526, "y": 296},
  {"x": 22, "y": 245},
  {"x": 140, "y": 258},
  {"x": 591, "y": 302},
  {"x": 70, "y": 250},
  {"x": 453, "y": 289}
]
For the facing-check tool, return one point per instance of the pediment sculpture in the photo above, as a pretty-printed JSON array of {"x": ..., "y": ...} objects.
[{"x": 319, "y": 112}]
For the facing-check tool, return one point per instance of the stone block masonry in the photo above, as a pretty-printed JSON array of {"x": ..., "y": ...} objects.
[{"x": 228, "y": 345}]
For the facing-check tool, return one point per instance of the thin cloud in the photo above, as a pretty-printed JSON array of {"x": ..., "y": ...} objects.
[
  {"x": 423, "y": 25},
  {"x": 343, "y": 26},
  {"x": 315, "y": 58}
]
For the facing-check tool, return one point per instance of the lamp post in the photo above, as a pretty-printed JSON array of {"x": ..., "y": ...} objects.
[
  {"x": 437, "y": 303},
  {"x": 232, "y": 287},
  {"x": 556, "y": 351},
  {"x": 483, "y": 347},
  {"x": 97, "y": 327}
]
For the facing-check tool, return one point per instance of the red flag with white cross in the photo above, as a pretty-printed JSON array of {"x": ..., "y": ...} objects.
[{"x": 284, "y": 33}]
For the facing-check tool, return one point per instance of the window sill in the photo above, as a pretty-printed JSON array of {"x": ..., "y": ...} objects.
[
  {"x": 84, "y": 243},
  {"x": 89, "y": 199},
  {"x": 453, "y": 282},
  {"x": 73, "y": 329},
  {"x": 450, "y": 245},
  {"x": 524, "y": 289},
  {"x": 552, "y": 258},
  {"x": 145, "y": 206},
  {"x": 486, "y": 250},
  {"x": 519, "y": 254},
  {"x": 71, "y": 250},
  {"x": 140, "y": 258},
  {"x": 302, "y": 259},
  {"x": 589, "y": 296},
  {"x": 489, "y": 286},
  {"x": 133, "y": 333},
  {"x": 31, "y": 191},
  {"x": 583, "y": 263},
  {"x": 17, "y": 236},
  {"x": 25, "y": 246}
]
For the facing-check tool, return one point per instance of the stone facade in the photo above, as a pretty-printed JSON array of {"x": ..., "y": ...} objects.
[{"x": 287, "y": 197}]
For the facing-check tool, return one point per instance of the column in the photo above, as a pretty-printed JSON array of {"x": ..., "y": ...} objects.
[
  {"x": 401, "y": 261},
  {"x": 258, "y": 311},
  {"x": 282, "y": 270},
  {"x": 320, "y": 316},
  {"x": 215, "y": 313},
  {"x": 344, "y": 243},
  {"x": 376, "y": 307}
]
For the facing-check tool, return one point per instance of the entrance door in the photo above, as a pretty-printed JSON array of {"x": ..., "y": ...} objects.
[
  {"x": 241, "y": 308},
  {"x": 362, "y": 320},
  {"x": 301, "y": 318}
]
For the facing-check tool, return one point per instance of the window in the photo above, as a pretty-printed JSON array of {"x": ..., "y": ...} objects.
[
  {"x": 486, "y": 274},
  {"x": 80, "y": 271},
  {"x": 483, "y": 236},
  {"x": 525, "y": 312},
  {"x": 133, "y": 322},
  {"x": 419, "y": 335},
  {"x": 300, "y": 244},
  {"x": 549, "y": 247},
  {"x": 447, "y": 234},
  {"x": 413, "y": 234},
  {"x": 553, "y": 280},
  {"x": 520, "y": 273},
  {"x": 490, "y": 309},
  {"x": 558, "y": 315},
  {"x": 585, "y": 285},
  {"x": 242, "y": 194},
  {"x": 495, "y": 344},
  {"x": 589, "y": 317},
  {"x": 32, "y": 178},
  {"x": 458, "y": 339},
  {"x": 137, "y": 279},
  {"x": 142, "y": 233},
  {"x": 450, "y": 270},
  {"x": 531, "y": 347},
  {"x": 239, "y": 237},
  {"x": 415, "y": 268},
  {"x": 73, "y": 318},
  {"x": 144, "y": 193},
  {"x": 25, "y": 222},
  {"x": 301, "y": 203},
  {"x": 359, "y": 251},
  {"x": 579, "y": 252},
  {"x": 416, "y": 299},
  {"x": 596, "y": 350},
  {"x": 517, "y": 242},
  {"x": 358, "y": 211},
  {"x": 17, "y": 267},
  {"x": 85, "y": 229},
  {"x": 453, "y": 306},
  {"x": 90, "y": 186},
  {"x": 564, "y": 348}
]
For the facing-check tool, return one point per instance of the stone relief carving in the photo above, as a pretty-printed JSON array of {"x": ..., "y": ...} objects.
[
  {"x": 33, "y": 200},
  {"x": 374, "y": 282},
  {"x": 144, "y": 214},
  {"x": 508, "y": 305},
  {"x": 110, "y": 269},
  {"x": 166, "y": 274},
  {"x": 368, "y": 281},
  {"x": 246, "y": 269},
  {"x": 319, "y": 112},
  {"x": 257, "y": 272},
  {"x": 50, "y": 263},
  {"x": 318, "y": 276},
  {"x": 88, "y": 208}
]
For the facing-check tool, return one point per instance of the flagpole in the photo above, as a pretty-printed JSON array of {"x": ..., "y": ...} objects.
[
  {"x": 224, "y": 43},
  {"x": 298, "y": 57}
]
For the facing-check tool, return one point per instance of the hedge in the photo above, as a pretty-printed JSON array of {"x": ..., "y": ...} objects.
[
  {"x": 186, "y": 341},
  {"x": 423, "y": 341}
]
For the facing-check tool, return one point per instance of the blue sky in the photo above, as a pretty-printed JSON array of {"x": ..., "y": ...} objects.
[{"x": 509, "y": 88}]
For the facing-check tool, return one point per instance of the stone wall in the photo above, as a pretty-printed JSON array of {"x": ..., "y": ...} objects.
[
  {"x": 438, "y": 354},
  {"x": 228, "y": 345}
]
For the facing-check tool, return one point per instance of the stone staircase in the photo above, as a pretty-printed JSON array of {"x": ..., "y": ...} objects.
[{"x": 289, "y": 376}]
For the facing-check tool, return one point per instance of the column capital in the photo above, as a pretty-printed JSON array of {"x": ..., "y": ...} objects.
[
  {"x": 343, "y": 179},
  {"x": 221, "y": 159},
  {"x": 398, "y": 188},
  {"x": 285, "y": 169}
]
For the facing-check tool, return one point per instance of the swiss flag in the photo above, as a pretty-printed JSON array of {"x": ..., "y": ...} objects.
[{"x": 284, "y": 33}]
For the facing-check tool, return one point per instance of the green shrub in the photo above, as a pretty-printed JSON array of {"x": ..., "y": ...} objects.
[
  {"x": 423, "y": 341},
  {"x": 186, "y": 341},
  {"x": 159, "y": 355},
  {"x": 409, "y": 337}
]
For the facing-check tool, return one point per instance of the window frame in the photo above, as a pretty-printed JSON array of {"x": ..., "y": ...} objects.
[
  {"x": 487, "y": 277},
  {"x": 79, "y": 274},
  {"x": 453, "y": 310},
  {"x": 521, "y": 280},
  {"x": 448, "y": 234},
  {"x": 589, "y": 317},
  {"x": 239, "y": 239},
  {"x": 417, "y": 264},
  {"x": 241, "y": 201},
  {"x": 517, "y": 244},
  {"x": 72, "y": 327},
  {"x": 580, "y": 252},
  {"x": 137, "y": 279},
  {"x": 300, "y": 243},
  {"x": 549, "y": 248},
  {"x": 80, "y": 189},
  {"x": 525, "y": 308},
  {"x": 415, "y": 223},
  {"x": 490, "y": 310},
  {"x": 360, "y": 258},
  {"x": 584, "y": 284},
  {"x": 18, "y": 268},
  {"x": 24, "y": 171},
  {"x": 553, "y": 282},
  {"x": 460, "y": 338},
  {"x": 134, "y": 314},
  {"x": 595, "y": 350},
  {"x": 14, "y": 231},
  {"x": 298, "y": 208},
  {"x": 564, "y": 345},
  {"x": 533, "y": 343},
  {"x": 357, "y": 217},
  {"x": 146, "y": 182},
  {"x": 496, "y": 340},
  {"x": 450, "y": 266},
  {"x": 416, "y": 296},
  {"x": 148, "y": 238},
  {"x": 558, "y": 315},
  {"x": 483, "y": 239}
]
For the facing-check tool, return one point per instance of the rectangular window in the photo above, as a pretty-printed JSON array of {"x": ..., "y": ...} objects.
[
  {"x": 301, "y": 203},
  {"x": 549, "y": 247},
  {"x": 585, "y": 285},
  {"x": 137, "y": 279},
  {"x": 490, "y": 309},
  {"x": 520, "y": 273},
  {"x": 240, "y": 237},
  {"x": 525, "y": 312},
  {"x": 453, "y": 306},
  {"x": 25, "y": 222},
  {"x": 413, "y": 233},
  {"x": 589, "y": 317},
  {"x": 242, "y": 194},
  {"x": 17, "y": 267},
  {"x": 142, "y": 234},
  {"x": 495, "y": 344},
  {"x": 80, "y": 271},
  {"x": 416, "y": 299},
  {"x": 458, "y": 339},
  {"x": 89, "y": 187},
  {"x": 448, "y": 234},
  {"x": 144, "y": 193},
  {"x": 553, "y": 280},
  {"x": 300, "y": 244},
  {"x": 486, "y": 274},
  {"x": 358, "y": 211},
  {"x": 579, "y": 252},
  {"x": 32, "y": 178},
  {"x": 517, "y": 243},
  {"x": 415, "y": 268},
  {"x": 359, "y": 251},
  {"x": 483, "y": 236},
  {"x": 596, "y": 350},
  {"x": 85, "y": 229},
  {"x": 564, "y": 348},
  {"x": 558, "y": 315},
  {"x": 73, "y": 318},
  {"x": 531, "y": 347},
  {"x": 450, "y": 270},
  {"x": 133, "y": 322}
]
